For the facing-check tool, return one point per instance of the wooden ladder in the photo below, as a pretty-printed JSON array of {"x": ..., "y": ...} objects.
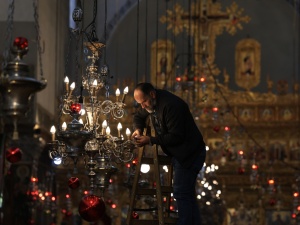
[{"x": 163, "y": 212}]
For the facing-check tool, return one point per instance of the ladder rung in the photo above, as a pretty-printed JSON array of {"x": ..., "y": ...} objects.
[
  {"x": 153, "y": 222},
  {"x": 159, "y": 192},
  {"x": 162, "y": 160},
  {"x": 150, "y": 191}
]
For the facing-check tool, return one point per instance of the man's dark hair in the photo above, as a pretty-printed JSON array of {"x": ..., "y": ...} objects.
[{"x": 146, "y": 88}]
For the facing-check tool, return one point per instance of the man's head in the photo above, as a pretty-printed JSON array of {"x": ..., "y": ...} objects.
[{"x": 145, "y": 95}]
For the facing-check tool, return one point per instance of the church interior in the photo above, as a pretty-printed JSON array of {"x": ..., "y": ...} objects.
[{"x": 68, "y": 70}]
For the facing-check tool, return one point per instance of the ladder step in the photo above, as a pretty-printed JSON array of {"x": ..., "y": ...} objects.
[
  {"x": 162, "y": 160},
  {"x": 153, "y": 222},
  {"x": 151, "y": 191},
  {"x": 163, "y": 216}
]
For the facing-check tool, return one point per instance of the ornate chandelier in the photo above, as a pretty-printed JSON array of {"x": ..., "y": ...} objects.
[{"x": 87, "y": 137}]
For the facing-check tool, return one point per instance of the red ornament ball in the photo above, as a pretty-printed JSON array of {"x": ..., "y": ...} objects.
[
  {"x": 14, "y": 155},
  {"x": 91, "y": 208},
  {"x": 21, "y": 43},
  {"x": 241, "y": 170},
  {"x": 272, "y": 202},
  {"x": 216, "y": 129},
  {"x": 75, "y": 107},
  {"x": 74, "y": 182},
  {"x": 135, "y": 215}
]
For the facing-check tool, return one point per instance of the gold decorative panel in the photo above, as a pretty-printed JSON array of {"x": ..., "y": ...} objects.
[{"x": 247, "y": 61}]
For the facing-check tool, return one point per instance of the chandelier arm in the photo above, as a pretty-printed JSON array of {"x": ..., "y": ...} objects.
[{"x": 106, "y": 106}]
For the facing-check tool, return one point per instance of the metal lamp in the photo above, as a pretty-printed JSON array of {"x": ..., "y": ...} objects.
[{"x": 16, "y": 87}]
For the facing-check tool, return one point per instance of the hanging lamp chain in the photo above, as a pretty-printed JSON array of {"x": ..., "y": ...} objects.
[
  {"x": 77, "y": 61},
  {"x": 8, "y": 36},
  {"x": 38, "y": 37},
  {"x": 68, "y": 52},
  {"x": 105, "y": 31},
  {"x": 93, "y": 33}
]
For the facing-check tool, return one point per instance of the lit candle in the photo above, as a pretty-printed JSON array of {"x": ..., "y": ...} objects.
[
  {"x": 52, "y": 131},
  {"x": 128, "y": 133},
  {"x": 107, "y": 131},
  {"x": 67, "y": 83},
  {"x": 94, "y": 87},
  {"x": 125, "y": 92},
  {"x": 104, "y": 125},
  {"x": 64, "y": 126},
  {"x": 72, "y": 87},
  {"x": 119, "y": 127},
  {"x": 82, "y": 112},
  {"x": 95, "y": 83},
  {"x": 118, "y": 93}
]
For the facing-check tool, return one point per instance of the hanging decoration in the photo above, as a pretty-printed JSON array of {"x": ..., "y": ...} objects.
[
  {"x": 16, "y": 86},
  {"x": 84, "y": 139},
  {"x": 91, "y": 208}
]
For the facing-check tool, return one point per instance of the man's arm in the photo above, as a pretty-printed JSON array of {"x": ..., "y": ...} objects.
[{"x": 139, "y": 121}]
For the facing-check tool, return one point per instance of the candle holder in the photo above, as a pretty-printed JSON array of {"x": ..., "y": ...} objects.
[{"x": 83, "y": 139}]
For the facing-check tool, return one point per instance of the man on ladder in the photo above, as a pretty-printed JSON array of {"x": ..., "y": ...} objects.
[{"x": 179, "y": 137}]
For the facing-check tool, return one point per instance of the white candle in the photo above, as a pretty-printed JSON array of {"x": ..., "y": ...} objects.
[
  {"x": 125, "y": 92},
  {"x": 119, "y": 127},
  {"x": 52, "y": 131},
  {"x": 72, "y": 87},
  {"x": 107, "y": 131},
  {"x": 82, "y": 112},
  {"x": 118, "y": 93},
  {"x": 104, "y": 125},
  {"x": 67, "y": 83},
  {"x": 64, "y": 126},
  {"x": 95, "y": 83},
  {"x": 128, "y": 133}
]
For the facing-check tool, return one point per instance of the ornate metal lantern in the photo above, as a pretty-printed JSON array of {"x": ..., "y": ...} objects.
[{"x": 16, "y": 87}]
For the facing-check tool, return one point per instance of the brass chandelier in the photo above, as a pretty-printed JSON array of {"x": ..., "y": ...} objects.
[{"x": 85, "y": 137}]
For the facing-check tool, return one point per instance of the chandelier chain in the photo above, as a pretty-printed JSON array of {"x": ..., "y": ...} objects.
[
  {"x": 38, "y": 37},
  {"x": 8, "y": 36},
  {"x": 137, "y": 41},
  {"x": 77, "y": 63},
  {"x": 68, "y": 53},
  {"x": 93, "y": 35},
  {"x": 105, "y": 29}
]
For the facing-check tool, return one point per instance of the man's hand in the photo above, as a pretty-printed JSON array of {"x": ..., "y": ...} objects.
[
  {"x": 142, "y": 140},
  {"x": 136, "y": 133}
]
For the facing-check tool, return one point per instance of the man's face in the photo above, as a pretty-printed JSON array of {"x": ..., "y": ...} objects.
[{"x": 146, "y": 101}]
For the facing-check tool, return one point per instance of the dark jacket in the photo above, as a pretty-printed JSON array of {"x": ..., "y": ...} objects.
[{"x": 179, "y": 136}]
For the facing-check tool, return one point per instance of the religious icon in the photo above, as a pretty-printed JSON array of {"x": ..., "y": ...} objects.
[
  {"x": 162, "y": 53},
  {"x": 246, "y": 114},
  {"x": 163, "y": 62},
  {"x": 247, "y": 60},
  {"x": 266, "y": 114},
  {"x": 248, "y": 65},
  {"x": 287, "y": 114}
]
